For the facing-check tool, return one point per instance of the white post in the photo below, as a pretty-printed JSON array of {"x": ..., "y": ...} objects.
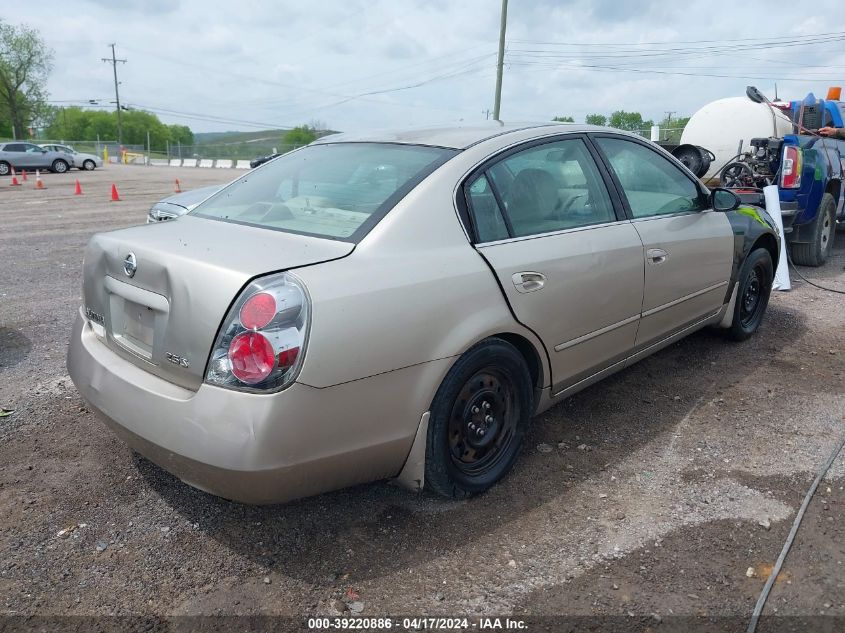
[
  {"x": 655, "y": 133},
  {"x": 781, "y": 281}
]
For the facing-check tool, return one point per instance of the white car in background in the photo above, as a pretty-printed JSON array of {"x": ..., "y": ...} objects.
[
  {"x": 179, "y": 204},
  {"x": 88, "y": 162}
]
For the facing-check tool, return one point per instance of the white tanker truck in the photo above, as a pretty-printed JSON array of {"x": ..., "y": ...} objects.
[{"x": 726, "y": 127}]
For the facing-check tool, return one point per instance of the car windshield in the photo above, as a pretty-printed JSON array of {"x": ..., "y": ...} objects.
[{"x": 337, "y": 190}]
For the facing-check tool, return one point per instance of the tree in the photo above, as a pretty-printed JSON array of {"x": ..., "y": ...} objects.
[
  {"x": 101, "y": 124},
  {"x": 25, "y": 62},
  {"x": 564, "y": 119},
  {"x": 596, "y": 119},
  {"x": 678, "y": 122},
  {"x": 631, "y": 121},
  {"x": 77, "y": 124},
  {"x": 671, "y": 129},
  {"x": 300, "y": 135},
  {"x": 181, "y": 134},
  {"x": 136, "y": 124}
]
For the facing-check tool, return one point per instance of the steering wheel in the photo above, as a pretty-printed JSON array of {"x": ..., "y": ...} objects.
[{"x": 572, "y": 200}]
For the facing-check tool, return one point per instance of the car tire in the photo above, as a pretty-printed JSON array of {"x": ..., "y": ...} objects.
[
  {"x": 822, "y": 233},
  {"x": 60, "y": 166},
  {"x": 752, "y": 295},
  {"x": 478, "y": 420},
  {"x": 89, "y": 165},
  {"x": 5, "y": 168}
]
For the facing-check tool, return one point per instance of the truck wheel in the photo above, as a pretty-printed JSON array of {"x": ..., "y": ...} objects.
[
  {"x": 478, "y": 420},
  {"x": 822, "y": 232},
  {"x": 752, "y": 296}
]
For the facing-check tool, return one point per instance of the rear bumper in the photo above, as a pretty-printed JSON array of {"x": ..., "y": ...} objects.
[
  {"x": 255, "y": 448},
  {"x": 788, "y": 211}
]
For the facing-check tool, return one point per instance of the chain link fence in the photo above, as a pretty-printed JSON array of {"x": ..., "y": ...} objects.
[
  {"x": 130, "y": 153},
  {"x": 664, "y": 134},
  {"x": 246, "y": 150}
]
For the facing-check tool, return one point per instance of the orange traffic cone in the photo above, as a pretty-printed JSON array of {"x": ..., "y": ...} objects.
[
  {"x": 14, "y": 182},
  {"x": 78, "y": 190},
  {"x": 114, "y": 196},
  {"x": 178, "y": 187},
  {"x": 39, "y": 184},
  {"x": 23, "y": 175}
]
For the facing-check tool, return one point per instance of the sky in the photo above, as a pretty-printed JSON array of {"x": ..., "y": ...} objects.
[{"x": 364, "y": 64}]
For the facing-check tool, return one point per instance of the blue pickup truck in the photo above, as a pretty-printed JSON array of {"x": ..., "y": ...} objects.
[{"x": 808, "y": 170}]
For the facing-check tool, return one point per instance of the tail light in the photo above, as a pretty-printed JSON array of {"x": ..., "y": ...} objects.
[
  {"x": 261, "y": 345},
  {"x": 790, "y": 169}
]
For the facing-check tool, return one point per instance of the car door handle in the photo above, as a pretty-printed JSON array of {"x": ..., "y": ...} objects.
[
  {"x": 656, "y": 255},
  {"x": 528, "y": 281}
]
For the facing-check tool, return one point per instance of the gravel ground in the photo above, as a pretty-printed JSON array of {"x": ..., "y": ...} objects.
[{"x": 665, "y": 492}]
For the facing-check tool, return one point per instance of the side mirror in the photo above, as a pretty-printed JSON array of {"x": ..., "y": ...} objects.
[{"x": 724, "y": 200}]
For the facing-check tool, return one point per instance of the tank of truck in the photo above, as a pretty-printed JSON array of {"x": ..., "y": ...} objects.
[{"x": 721, "y": 125}]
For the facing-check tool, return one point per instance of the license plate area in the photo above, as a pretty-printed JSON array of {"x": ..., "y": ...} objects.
[
  {"x": 134, "y": 326},
  {"x": 135, "y": 317}
]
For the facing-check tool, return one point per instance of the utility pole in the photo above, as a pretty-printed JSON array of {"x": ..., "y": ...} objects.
[
  {"x": 498, "y": 102},
  {"x": 668, "y": 114},
  {"x": 113, "y": 61}
]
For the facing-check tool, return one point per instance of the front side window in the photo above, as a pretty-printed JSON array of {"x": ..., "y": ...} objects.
[
  {"x": 651, "y": 183},
  {"x": 552, "y": 187},
  {"x": 33, "y": 149},
  {"x": 336, "y": 190}
]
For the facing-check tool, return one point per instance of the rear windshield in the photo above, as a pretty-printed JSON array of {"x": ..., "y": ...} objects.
[{"x": 339, "y": 191}]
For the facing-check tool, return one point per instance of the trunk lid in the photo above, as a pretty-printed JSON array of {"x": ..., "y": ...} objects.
[{"x": 165, "y": 316}]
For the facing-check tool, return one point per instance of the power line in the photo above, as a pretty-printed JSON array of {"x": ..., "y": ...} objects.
[
  {"x": 343, "y": 98},
  {"x": 114, "y": 61},
  {"x": 545, "y": 66},
  {"x": 262, "y": 125},
  {"x": 644, "y": 53},
  {"x": 778, "y": 38}
]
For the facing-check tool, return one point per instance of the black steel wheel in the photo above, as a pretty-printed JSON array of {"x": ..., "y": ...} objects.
[
  {"x": 478, "y": 420},
  {"x": 482, "y": 423},
  {"x": 755, "y": 286}
]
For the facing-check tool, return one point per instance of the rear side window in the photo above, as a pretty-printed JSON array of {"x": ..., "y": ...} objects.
[
  {"x": 337, "y": 190},
  {"x": 651, "y": 183},
  {"x": 487, "y": 216}
]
